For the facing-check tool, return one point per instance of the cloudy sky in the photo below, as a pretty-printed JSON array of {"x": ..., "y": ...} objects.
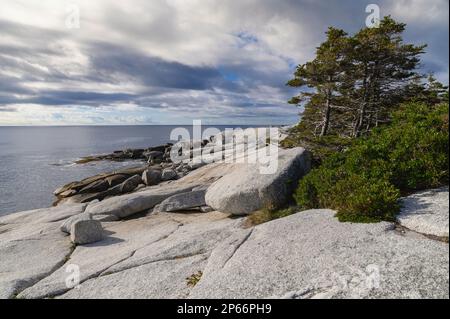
[{"x": 171, "y": 61}]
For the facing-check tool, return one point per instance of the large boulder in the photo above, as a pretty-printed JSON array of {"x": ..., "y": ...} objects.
[
  {"x": 86, "y": 232},
  {"x": 182, "y": 201},
  {"x": 245, "y": 189},
  {"x": 426, "y": 212}
]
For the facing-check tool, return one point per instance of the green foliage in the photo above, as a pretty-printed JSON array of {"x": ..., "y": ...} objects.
[
  {"x": 321, "y": 147},
  {"x": 364, "y": 182},
  {"x": 268, "y": 214},
  {"x": 367, "y": 149},
  {"x": 355, "y": 197},
  {"x": 354, "y": 81},
  {"x": 193, "y": 279}
]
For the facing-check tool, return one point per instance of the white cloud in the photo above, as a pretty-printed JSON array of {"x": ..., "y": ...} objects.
[
  {"x": 237, "y": 54},
  {"x": 419, "y": 11}
]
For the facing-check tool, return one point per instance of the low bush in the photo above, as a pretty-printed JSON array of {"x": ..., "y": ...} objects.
[{"x": 364, "y": 183}]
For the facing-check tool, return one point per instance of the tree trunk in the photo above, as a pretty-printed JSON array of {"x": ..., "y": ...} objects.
[
  {"x": 362, "y": 115},
  {"x": 362, "y": 110},
  {"x": 326, "y": 122}
]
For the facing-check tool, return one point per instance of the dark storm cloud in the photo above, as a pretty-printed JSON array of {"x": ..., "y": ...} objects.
[
  {"x": 77, "y": 98},
  {"x": 107, "y": 59}
]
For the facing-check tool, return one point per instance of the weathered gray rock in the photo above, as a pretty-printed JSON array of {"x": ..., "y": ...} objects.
[
  {"x": 140, "y": 187},
  {"x": 68, "y": 193},
  {"x": 206, "y": 209},
  {"x": 196, "y": 165},
  {"x": 79, "y": 185},
  {"x": 168, "y": 174},
  {"x": 426, "y": 212},
  {"x": 306, "y": 255},
  {"x": 161, "y": 279},
  {"x": 146, "y": 199},
  {"x": 28, "y": 253},
  {"x": 153, "y": 155},
  {"x": 312, "y": 255},
  {"x": 67, "y": 224},
  {"x": 151, "y": 177},
  {"x": 183, "y": 201},
  {"x": 136, "y": 242},
  {"x": 81, "y": 198},
  {"x": 123, "y": 240},
  {"x": 245, "y": 189},
  {"x": 130, "y": 184},
  {"x": 95, "y": 187},
  {"x": 86, "y": 231},
  {"x": 44, "y": 215},
  {"x": 116, "y": 179},
  {"x": 129, "y": 204},
  {"x": 105, "y": 218},
  {"x": 109, "y": 177},
  {"x": 201, "y": 187}
]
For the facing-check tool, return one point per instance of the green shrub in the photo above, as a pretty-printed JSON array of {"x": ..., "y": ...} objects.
[
  {"x": 377, "y": 198},
  {"x": 364, "y": 182},
  {"x": 321, "y": 147}
]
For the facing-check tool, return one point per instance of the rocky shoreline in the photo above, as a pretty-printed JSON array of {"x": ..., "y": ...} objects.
[
  {"x": 158, "y": 168},
  {"x": 180, "y": 230}
]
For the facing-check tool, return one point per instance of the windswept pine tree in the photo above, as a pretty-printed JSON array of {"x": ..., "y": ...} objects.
[
  {"x": 354, "y": 81},
  {"x": 381, "y": 68},
  {"x": 324, "y": 78},
  {"x": 431, "y": 92}
]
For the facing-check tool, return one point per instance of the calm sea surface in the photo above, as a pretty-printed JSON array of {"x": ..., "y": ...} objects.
[{"x": 34, "y": 161}]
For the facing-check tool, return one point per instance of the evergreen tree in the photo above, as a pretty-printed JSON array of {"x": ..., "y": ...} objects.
[
  {"x": 324, "y": 78},
  {"x": 382, "y": 67},
  {"x": 353, "y": 82}
]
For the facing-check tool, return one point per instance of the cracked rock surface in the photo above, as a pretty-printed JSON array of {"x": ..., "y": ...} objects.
[
  {"x": 426, "y": 212},
  {"x": 30, "y": 251},
  {"x": 306, "y": 255}
]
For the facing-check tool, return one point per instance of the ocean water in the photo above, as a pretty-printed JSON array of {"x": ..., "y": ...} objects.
[{"x": 34, "y": 161}]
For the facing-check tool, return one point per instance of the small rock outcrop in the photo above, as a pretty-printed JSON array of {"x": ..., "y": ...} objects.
[
  {"x": 97, "y": 187},
  {"x": 130, "y": 184},
  {"x": 151, "y": 177},
  {"x": 183, "y": 201},
  {"x": 426, "y": 212},
  {"x": 129, "y": 154},
  {"x": 127, "y": 205},
  {"x": 168, "y": 174},
  {"x": 86, "y": 231},
  {"x": 67, "y": 224}
]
